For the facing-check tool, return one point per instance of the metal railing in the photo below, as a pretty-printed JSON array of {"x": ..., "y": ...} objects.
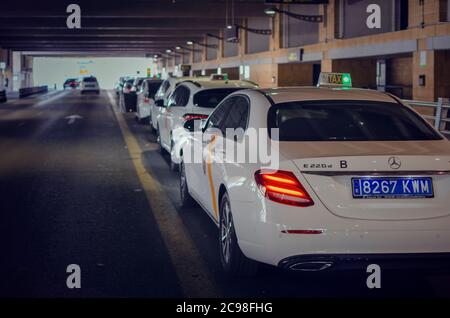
[{"x": 441, "y": 118}]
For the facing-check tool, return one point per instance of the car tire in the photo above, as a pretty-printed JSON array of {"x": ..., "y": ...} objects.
[
  {"x": 234, "y": 262},
  {"x": 173, "y": 165},
  {"x": 186, "y": 199},
  {"x": 161, "y": 149},
  {"x": 151, "y": 124}
]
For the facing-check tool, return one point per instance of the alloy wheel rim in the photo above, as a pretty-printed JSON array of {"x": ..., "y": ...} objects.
[
  {"x": 225, "y": 235},
  {"x": 182, "y": 180}
]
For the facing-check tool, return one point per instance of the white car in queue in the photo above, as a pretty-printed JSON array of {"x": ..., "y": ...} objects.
[
  {"x": 192, "y": 99},
  {"x": 161, "y": 96},
  {"x": 145, "y": 99},
  {"x": 362, "y": 179},
  {"x": 89, "y": 85}
]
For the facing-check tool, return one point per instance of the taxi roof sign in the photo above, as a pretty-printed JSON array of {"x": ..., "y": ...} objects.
[
  {"x": 343, "y": 80},
  {"x": 219, "y": 77}
]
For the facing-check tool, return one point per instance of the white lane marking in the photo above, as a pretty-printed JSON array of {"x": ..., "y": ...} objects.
[{"x": 73, "y": 118}]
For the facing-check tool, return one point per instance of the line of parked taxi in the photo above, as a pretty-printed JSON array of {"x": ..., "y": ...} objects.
[{"x": 360, "y": 176}]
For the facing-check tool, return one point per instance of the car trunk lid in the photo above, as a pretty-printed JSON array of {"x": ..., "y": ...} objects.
[{"x": 329, "y": 170}]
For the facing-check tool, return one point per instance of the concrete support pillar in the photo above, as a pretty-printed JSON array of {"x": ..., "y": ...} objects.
[
  {"x": 277, "y": 32},
  {"x": 6, "y": 74},
  {"x": 327, "y": 64},
  {"x": 27, "y": 71},
  {"x": 423, "y": 80},
  {"x": 17, "y": 71},
  {"x": 327, "y": 31},
  {"x": 204, "y": 48},
  {"x": 2, "y": 70},
  {"x": 243, "y": 39},
  {"x": 221, "y": 45},
  {"x": 327, "y": 28}
]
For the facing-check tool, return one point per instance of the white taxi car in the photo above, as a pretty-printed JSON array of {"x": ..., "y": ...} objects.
[
  {"x": 89, "y": 85},
  {"x": 145, "y": 99},
  {"x": 192, "y": 99},
  {"x": 161, "y": 96},
  {"x": 361, "y": 178}
]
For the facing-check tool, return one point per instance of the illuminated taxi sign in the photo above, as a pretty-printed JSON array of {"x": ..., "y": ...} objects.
[
  {"x": 219, "y": 77},
  {"x": 335, "y": 80}
]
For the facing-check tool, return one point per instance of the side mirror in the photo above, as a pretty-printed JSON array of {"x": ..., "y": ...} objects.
[
  {"x": 159, "y": 102},
  {"x": 189, "y": 125}
]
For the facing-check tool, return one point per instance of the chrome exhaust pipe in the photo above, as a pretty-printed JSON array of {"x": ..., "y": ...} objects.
[{"x": 311, "y": 266}]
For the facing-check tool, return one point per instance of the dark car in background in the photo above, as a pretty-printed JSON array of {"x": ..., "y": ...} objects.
[
  {"x": 126, "y": 95},
  {"x": 130, "y": 89},
  {"x": 146, "y": 99},
  {"x": 71, "y": 83},
  {"x": 120, "y": 83}
]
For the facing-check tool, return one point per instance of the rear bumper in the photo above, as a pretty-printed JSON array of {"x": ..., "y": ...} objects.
[
  {"x": 130, "y": 101},
  {"x": 439, "y": 262}
]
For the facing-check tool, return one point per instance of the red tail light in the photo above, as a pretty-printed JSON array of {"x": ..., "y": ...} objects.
[
  {"x": 282, "y": 187},
  {"x": 187, "y": 117},
  {"x": 146, "y": 100}
]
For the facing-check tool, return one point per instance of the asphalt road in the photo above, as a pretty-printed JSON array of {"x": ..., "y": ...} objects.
[{"x": 82, "y": 184}]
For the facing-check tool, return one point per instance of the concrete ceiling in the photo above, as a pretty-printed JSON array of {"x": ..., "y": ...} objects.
[{"x": 128, "y": 27}]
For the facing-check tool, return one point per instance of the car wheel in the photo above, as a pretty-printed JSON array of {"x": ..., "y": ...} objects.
[
  {"x": 158, "y": 140},
  {"x": 185, "y": 198},
  {"x": 151, "y": 124},
  {"x": 234, "y": 262},
  {"x": 173, "y": 165}
]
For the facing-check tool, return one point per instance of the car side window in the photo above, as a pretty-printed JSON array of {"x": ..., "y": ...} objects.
[
  {"x": 182, "y": 98},
  {"x": 172, "y": 101},
  {"x": 162, "y": 89},
  {"x": 237, "y": 116},
  {"x": 219, "y": 114}
]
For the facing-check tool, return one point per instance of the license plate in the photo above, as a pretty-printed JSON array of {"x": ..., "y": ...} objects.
[{"x": 391, "y": 188}]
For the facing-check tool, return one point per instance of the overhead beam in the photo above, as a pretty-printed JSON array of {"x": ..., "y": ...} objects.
[
  {"x": 133, "y": 9},
  {"x": 8, "y": 23},
  {"x": 106, "y": 33},
  {"x": 131, "y": 40}
]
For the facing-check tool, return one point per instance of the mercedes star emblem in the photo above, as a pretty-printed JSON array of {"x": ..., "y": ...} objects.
[{"x": 394, "y": 163}]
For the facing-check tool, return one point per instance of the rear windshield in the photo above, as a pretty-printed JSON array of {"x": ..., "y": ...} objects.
[
  {"x": 153, "y": 87},
  {"x": 71, "y": 80},
  {"x": 89, "y": 79},
  {"x": 348, "y": 120},
  {"x": 210, "y": 98},
  {"x": 139, "y": 81}
]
